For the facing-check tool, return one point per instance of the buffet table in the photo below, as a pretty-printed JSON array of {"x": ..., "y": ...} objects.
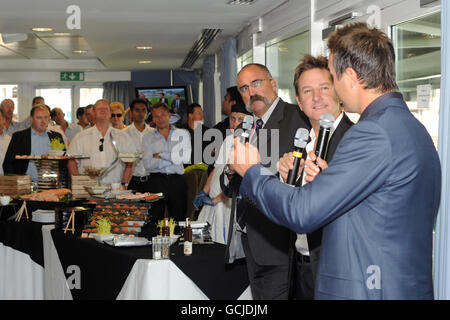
[{"x": 55, "y": 265}]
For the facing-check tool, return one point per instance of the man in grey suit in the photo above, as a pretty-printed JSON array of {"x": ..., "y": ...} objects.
[{"x": 378, "y": 221}]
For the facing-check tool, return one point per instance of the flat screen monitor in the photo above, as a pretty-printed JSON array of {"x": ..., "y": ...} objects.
[{"x": 153, "y": 94}]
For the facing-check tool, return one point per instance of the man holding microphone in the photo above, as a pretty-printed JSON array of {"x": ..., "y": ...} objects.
[{"x": 378, "y": 220}]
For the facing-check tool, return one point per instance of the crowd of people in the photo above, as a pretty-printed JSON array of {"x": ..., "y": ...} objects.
[
  {"x": 356, "y": 225},
  {"x": 163, "y": 136}
]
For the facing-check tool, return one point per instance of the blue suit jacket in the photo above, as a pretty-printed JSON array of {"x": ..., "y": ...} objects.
[{"x": 377, "y": 201}]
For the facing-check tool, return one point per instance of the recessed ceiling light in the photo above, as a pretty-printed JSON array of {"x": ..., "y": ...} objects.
[
  {"x": 145, "y": 61},
  {"x": 61, "y": 34},
  {"x": 79, "y": 51},
  {"x": 143, "y": 47},
  {"x": 238, "y": 2},
  {"x": 42, "y": 29}
]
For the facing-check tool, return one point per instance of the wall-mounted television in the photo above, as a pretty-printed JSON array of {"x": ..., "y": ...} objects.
[{"x": 152, "y": 94}]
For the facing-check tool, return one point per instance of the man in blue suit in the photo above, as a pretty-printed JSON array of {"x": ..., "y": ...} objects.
[{"x": 378, "y": 219}]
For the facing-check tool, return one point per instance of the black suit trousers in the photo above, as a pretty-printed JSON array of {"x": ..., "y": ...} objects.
[
  {"x": 174, "y": 189},
  {"x": 267, "y": 282}
]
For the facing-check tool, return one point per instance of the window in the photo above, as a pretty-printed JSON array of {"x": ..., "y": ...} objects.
[
  {"x": 282, "y": 58},
  {"x": 418, "y": 53},
  {"x": 90, "y": 96},
  {"x": 9, "y": 91},
  {"x": 245, "y": 59},
  {"x": 58, "y": 97}
]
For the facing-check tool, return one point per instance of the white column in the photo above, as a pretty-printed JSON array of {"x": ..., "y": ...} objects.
[
  {"x": 442, "y": 239},
  {"x": 259, "y": 51}
]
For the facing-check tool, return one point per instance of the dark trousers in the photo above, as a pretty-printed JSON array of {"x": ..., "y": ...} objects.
[
  {"x": 304, "y": 279},
  {"x": 266, "y": 282},
  {"x": 138, "y": 184},
  {"x": 174, "y": 190}
]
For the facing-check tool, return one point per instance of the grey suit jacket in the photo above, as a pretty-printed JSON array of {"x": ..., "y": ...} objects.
[{"x": 378, "y": 221}]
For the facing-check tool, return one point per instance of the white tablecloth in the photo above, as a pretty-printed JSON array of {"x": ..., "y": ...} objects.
[{"x": 20, "y": 277}]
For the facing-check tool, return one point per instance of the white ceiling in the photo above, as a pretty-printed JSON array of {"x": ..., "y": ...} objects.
[{"x": 111, "y": 29}]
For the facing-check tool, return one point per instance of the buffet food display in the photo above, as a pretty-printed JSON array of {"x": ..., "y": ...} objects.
[
  {"x": 52, "y": 169},
  {"x": 124, "y": 217},
  {"x": 107, "y": 212}
]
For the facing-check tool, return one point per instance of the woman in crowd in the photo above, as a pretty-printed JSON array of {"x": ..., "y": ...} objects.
[{"x": 117, "y": 115}]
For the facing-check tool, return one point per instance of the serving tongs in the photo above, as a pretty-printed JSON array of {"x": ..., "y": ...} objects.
[
  {"x": 114, "y": 143},
  {"x": 104, "y": 171}
]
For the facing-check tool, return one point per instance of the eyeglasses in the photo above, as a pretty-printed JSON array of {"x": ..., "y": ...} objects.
[
  {"x": 118, "y": 115},
  {"x": 254, "y": 84},
  {"x": 100, "y": 147}
]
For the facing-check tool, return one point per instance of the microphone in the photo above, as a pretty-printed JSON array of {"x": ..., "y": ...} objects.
[
  {"x": 247, "y": 125},
  {"x": 326, "y": 123},
  {"x": 300, "y": 142}
]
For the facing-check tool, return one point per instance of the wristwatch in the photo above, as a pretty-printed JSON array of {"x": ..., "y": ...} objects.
[{"x": 125, "y": 184}]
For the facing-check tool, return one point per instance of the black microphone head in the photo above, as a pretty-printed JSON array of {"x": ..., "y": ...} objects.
[
  {"x": 301, "y": 138},
  {"x": 247, "y": 124},
  {"x": 326, "y": 120}
]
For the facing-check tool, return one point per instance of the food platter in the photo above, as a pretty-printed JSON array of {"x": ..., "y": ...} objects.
[{"x": 50, "y": 157}]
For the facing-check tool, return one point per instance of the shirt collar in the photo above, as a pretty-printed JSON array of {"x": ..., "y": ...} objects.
[
  {"x": 266, "y": 115},
  {"x": 312, "y": 134},
  {"x": 33, "y": 133},
  {"x": 146, "y": 127},
  {"x": 100, "y": 134}
]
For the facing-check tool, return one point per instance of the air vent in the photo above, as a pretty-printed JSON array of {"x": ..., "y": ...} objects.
[{"x": 207, "y": 36}]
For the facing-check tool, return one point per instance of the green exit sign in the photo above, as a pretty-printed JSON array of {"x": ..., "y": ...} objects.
[{"x": 71, "y": 76}]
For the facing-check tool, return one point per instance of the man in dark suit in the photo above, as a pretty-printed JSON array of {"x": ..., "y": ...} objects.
[
  {"x": 378, "y": 221},
  {"x": 32, "y": 141},
  {"x": 162, "y": 98},
  {"x": 179, "y": 106},
  {"x": 268, "y": 247},
  {"x": 315, "y": 96}
]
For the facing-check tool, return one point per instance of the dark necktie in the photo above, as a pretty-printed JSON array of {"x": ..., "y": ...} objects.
[{"x": 259, "y": 125}]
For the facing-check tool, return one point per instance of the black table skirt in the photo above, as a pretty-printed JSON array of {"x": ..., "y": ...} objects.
[
  {"x": 104, "y": 269},
  {"x": 25, "y": 237}
]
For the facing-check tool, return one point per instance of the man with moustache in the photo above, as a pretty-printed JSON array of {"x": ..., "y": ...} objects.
[{"x": 268, "y": 247}]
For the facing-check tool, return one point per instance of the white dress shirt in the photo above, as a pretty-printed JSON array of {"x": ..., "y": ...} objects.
[
  {"x": 87, "y": 143},
  {"x": 4, "y": 143},
  {"x": 136, "y": 137},
  {"x": 71, "y": 130},
  {"x": 301, "y": 244}
]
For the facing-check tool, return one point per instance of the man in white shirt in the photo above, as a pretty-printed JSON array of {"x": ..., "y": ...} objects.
[
  {"x": 315, "y": 96},
  {"x": 96, "y": 143},
  {"x": 136, "y": 131},
  {"x": 4, "y": 141},
  {"x": 69, "y": 129}
]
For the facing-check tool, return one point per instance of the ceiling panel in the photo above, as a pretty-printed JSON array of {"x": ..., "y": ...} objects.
[{"x": 110, "y": 30}]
